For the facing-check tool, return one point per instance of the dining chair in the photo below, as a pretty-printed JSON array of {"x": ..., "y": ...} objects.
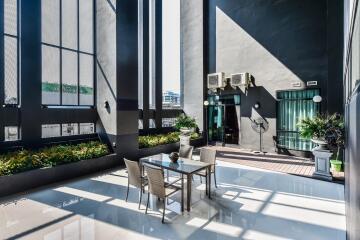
[
  {"x": 186, "y": 151},
  {"x": 208, "y": 155},
  {"x": 135, "y": 178},
  {"x": 158, "y": 187}
]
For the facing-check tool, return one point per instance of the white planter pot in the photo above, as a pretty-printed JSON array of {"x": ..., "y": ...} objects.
[{"x": 322, "y": 144}]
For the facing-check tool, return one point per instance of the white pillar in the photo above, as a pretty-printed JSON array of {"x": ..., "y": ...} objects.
[{"x": 322, "y": 164}]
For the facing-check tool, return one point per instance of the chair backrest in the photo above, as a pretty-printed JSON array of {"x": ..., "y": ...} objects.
[
  {"x": 208, "y": 155},
  {"x": 156, "y": 181},
  {"x": 134, "y": 172},
  {"x": 186, "y": 151}
]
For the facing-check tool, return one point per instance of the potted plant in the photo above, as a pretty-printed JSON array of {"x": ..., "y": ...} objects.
[
  {"x": 314, "y": 129},
  {"x": 186, "y": 125},
  {"x": 335, "y": 137}
]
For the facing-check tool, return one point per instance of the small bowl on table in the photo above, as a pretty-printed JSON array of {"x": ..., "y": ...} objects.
[{"x": 174, "y": 157}]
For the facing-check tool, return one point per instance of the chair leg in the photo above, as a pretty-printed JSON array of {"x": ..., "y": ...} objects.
[
  {"x": 147, "y": 203},
  {"x": 192, "y": 177},
  {"x": 215, "y": 178},
  {"x": 140, "y": 198},
  {"x": 201, "y": 179},
  {"x": 127, "y": 193},
  {"x": 163, "y": 216}
]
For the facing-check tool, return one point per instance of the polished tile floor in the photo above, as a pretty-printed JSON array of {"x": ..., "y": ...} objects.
[{"x": 249, "y": 203}]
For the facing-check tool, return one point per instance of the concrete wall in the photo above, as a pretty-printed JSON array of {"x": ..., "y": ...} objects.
[
  {"x": 106, "y": 66},
  {"x": 192, "y": 58},
  {"x": 278, "y": 42}
]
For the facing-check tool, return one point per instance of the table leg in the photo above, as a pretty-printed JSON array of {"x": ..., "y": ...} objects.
[
  {"x": 188, "y": 195},
  {"x": 206, "y": 183},
  {"x": 182, "y": 192},
  {"x": 209, "y": 181}
]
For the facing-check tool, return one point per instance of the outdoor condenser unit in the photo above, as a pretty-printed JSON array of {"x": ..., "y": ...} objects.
[
  {"x": 216, "y": 80},
  {"x": 240, "y": 80}
]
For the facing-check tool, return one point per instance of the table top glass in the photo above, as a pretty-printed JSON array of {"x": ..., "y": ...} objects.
[{"x": 183, "y": 165}]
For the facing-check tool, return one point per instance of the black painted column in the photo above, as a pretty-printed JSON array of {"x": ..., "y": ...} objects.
[
  {"x": 127, "y": 78},
  {"x": 30, "y": 71},
  {"x": 146, "y": 72},
  {"x": 158, "y": 63}
]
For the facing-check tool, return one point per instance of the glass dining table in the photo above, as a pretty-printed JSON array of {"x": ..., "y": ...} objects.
[{"x": 186, "y": 167}]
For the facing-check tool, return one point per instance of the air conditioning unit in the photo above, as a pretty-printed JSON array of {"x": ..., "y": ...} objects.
[
  {"x": 240, "y": 80},
  {"x": 216, "y": 80}
]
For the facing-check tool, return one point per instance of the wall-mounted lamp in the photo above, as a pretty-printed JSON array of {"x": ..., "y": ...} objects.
[
  {"x": 106, "y": 105},
  {"x": 257, "y": 105},
  {"x": 206, "y": 103},
  {"x": 317, "y": 99}
]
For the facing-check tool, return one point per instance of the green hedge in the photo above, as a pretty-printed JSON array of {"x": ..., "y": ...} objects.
[
  {"x": 24, "y": 160},
  {"x": 55, "y": 87},
  {"x": 161, "y": 139}
]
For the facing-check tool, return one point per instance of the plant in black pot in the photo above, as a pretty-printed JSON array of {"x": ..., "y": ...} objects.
[{"x": 335, "y": 137}]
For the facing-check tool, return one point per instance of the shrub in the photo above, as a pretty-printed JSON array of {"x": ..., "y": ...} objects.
[
  {"x": 24, "y": 160},
  {"x": 183, "y": 121},
  {"x": 161, "y": 139}
]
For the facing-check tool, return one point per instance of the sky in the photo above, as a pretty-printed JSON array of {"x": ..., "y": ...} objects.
[{"x": 171, "y": 45}]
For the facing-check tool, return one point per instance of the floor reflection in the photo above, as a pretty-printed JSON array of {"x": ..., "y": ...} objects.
[{"x": 249, "y": 204}]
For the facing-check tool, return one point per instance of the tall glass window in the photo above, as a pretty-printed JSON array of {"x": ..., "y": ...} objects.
[
  {"x": 171, "y": 59},
  {"x": 11, "y": 52},
  {"x": 68, "y": 52},
  {"x": 292, "y": 107}
]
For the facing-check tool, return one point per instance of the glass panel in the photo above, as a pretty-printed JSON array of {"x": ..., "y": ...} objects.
[
  {"x": 11, "y": 133},
  {"x": 11, "y": 70},
  {"x": 70, "y": 129},
  {"x": 50, "y": 75},
  {"x": 69, "y": 24},
  {"x": 86, "y": 25},
  {"x": 69, "y": 78},
  {"x": 168, "y": 122},
  {"x": 87, "y": 128},
  {"x": 171, "y": 53},
  {"x": 152, "y": 85},
  {"x": 171, "y": 99},
  {"x": 50, "y": 130},
  {"x": 86, "y": 79},
  {"x": 10, "y": 17},
  {"x": 152, "y": 123},
  {"x": 216, "y": 129},
  {"x": 50, "y": 21}
]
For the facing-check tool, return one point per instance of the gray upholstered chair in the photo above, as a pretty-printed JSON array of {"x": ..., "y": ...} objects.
[
  {"x": 186, "y": 151},
  {"x": 158, "y": 187},
  {"x": 135, "y": 178},
  {"x": 208, "y": 155}
]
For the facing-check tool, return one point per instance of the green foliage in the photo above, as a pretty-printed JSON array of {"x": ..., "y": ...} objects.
[
  {"x": 183, "y": 121},
  {"x": 313, "y": 128},
  {"x": 325, "y": 127},
  {"x": 161, "y": 139},
  {"x": 24, "y": 160},
  {"x": 55, "y": 87}
]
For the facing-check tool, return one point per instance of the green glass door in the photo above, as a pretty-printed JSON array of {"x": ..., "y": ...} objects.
[
  {"x": 292, "y": 107},
  {"x": 216, "y": 123}
]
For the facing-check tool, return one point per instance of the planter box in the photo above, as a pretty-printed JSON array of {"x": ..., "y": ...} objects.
[
  {"x": 168, "y": 148},
  {"x": 24, "y": 181}
]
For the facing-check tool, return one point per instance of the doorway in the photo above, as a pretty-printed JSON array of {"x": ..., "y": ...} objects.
[{"x": 224, "y": 119}]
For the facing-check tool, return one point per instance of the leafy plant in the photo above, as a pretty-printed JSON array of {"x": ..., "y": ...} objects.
[
  {"x": 313, "y": 128},
  {"x": 161, "y": 139},
  {"x": 335, "y": 133},
  {"x": 184, "y": 121},
  {"x": 24, "y": 160}
]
